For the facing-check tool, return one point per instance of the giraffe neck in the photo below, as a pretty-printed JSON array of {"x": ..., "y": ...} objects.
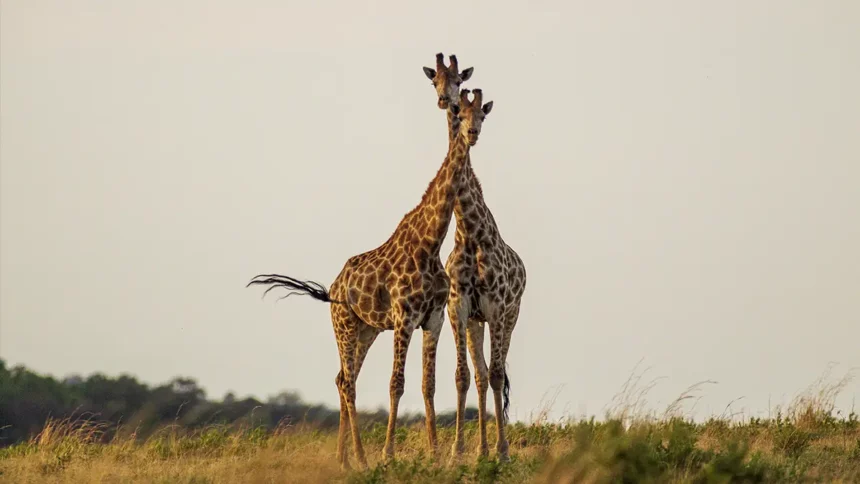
[
  {"x": 453, "y": 126},
  {"x": 469, "y": 200},
  {"x": 432, "y": 217}
]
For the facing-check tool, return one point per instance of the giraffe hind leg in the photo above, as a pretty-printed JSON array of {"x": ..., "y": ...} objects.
[
  {"x": 497, "y": 379},
  {"x": 366, "y": 336},
  {"x": 343, "y": 425},
  {"x": 510, "y": 323},
  {"x": 346, "y": 327}
]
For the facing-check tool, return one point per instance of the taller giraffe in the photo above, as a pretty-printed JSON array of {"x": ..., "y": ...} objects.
[
  {"x": 488, "y": 280},
  {"x": 401, "y": 285}
]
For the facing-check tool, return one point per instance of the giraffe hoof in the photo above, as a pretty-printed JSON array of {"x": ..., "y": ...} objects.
[
  {"x": 502, "y": 452},
  {"x": 458, "y": 449},
  {"x": 362, "y": 462},
  {"x": 387, "y": 455},
  {"x": 457, "y": 452}
]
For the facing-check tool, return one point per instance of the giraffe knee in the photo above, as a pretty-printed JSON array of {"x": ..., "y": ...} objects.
[
  {"x": 429, "y": 388},
  {"x": 344, "y": 386},
  {"x": 481, "y": 379},
  {"x": 461, "y": 378},
  {"x": 497, "y": 377},
  {"x": 398, "y": 382}
]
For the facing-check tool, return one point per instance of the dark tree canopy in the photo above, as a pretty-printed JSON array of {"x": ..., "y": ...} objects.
[{"x": 28, "y": 400}]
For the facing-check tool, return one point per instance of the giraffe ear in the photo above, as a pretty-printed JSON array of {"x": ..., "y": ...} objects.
[
  {"x": 487, "y": 108},
  {"x": 430, "y": 73},
  {"x": 466, "y": 74},
  {"x": 455, "y": 109}
]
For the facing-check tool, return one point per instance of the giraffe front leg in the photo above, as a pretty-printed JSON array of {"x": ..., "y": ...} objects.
[
  {"x": 428, "y": 385},
  {"x": 475, "y": 336},
  {"x": 497, "y": 381},
  {"x": 402, "y": 336},
  {"x": 510, "y": 324},
  {"x": 457, "y": 316}
]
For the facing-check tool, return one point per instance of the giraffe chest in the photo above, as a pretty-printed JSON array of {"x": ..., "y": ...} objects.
[{"x": 480, "y": 276}]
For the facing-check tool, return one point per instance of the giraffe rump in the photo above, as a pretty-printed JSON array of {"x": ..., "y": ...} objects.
[{"x": 295, "y": 286}]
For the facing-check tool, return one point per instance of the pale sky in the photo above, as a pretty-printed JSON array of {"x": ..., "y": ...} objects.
[{"x": 681, "y": 179}]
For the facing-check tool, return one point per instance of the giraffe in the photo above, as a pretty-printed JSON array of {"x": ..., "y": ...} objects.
[
  {"x": 401, "y": 286},
  {"x": 446, "y": 81},
  {"x": 488, "y": 280}
]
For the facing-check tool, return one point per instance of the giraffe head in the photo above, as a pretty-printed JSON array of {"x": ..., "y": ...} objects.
[
  {"x": 447, "y": 80},
  {"x": 471, "y": 114}
]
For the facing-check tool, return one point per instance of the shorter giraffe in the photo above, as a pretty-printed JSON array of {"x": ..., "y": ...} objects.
[
  {"x": 400, "y": 286},
  {"x": 488, "y": 280}
]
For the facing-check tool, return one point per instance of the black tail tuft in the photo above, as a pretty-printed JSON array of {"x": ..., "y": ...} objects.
[
  {"x": 295, "y": 286},
  {"x": 506, "y": 395}
]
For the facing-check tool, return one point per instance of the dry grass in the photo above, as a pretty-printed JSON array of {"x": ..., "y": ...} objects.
[
  {"x": 585, "y": 451},
  {"x": 806, "y": 441}
]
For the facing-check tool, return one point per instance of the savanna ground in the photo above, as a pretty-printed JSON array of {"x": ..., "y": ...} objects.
[{"x": 808, "y": 441}]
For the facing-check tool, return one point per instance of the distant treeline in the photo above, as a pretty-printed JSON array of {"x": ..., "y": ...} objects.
[{"x": 28, "y": 400}]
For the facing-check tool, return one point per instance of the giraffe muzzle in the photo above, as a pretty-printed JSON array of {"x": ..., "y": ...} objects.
[{"x": 472, "y": 136}]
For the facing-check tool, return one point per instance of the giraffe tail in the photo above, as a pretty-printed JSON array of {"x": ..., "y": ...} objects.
[
  {"x": 294, "y": 286},
  {"x": 506, "y": 395}
]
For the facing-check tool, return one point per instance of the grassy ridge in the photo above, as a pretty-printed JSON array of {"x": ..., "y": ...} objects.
[{"x": 815, "y": 447}]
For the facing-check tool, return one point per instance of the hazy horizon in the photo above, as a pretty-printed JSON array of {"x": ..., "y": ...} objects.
[{"x": 682, "y": 181}]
